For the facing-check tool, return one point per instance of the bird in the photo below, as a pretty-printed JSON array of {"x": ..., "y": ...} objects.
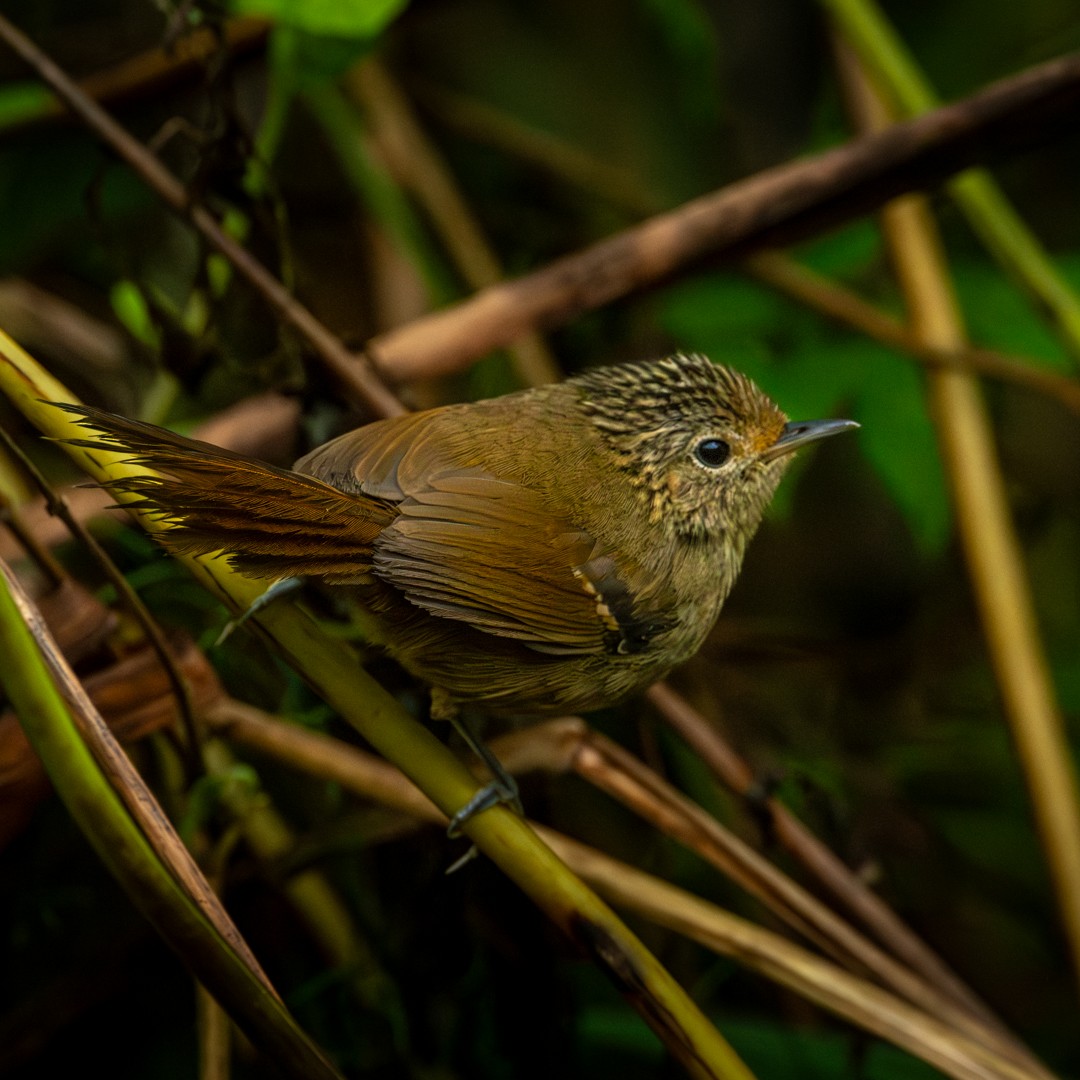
[{"x": 550, "y": 551}]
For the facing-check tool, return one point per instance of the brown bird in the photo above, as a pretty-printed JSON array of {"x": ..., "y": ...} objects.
[{"x": 549, "y": 551}]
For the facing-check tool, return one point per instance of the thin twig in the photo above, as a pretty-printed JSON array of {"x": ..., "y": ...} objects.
[
  {"x": 847, "y": 307},
  {"x": 356, "y": 374}
]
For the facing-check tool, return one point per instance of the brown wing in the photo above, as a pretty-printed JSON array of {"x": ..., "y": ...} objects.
[
  {"x": 388, "y": 459},
  {"x": 271, "y": 522},
  {"x": 484, "y": 551}
]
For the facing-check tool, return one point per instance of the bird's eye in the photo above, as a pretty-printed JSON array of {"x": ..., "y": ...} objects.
[{"x": 712, "y": 453}]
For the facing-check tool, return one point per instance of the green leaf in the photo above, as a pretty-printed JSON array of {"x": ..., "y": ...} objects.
[
  {"x": 846, "y": 251},
  {"x": 23, "y": 102},
  {"x": 999, "y": 316},
  {"x": 707, "y": 312},
  {"x": 334, "y": 18},
  {"x": 302, "y": 59},
  {"x": 317, "y": 41},
  {"x": 131, "y": 309},
  {"x": 995, "y": 840},
  {"x": 898, "y": 439},
  {"x": 774, "y": 1050},
  {"x": 688, "y": 36}
]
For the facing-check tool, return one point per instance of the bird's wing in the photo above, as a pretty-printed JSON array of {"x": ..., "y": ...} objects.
[
  {"x": 488, "y": 553},
  {"x": 455, "y": 542},
  {"x": 387, "y": 459}
]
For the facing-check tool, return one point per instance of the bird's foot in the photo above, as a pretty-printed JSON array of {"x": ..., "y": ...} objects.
[{"x": 501, "y": 791}]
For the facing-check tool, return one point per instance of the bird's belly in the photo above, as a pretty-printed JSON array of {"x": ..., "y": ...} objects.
[
  {"x": 502, "y": 675},
  {"x": 523, "y": 682}
]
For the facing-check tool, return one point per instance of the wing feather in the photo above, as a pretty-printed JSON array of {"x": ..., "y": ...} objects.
[{"x": 490, "y": 553}]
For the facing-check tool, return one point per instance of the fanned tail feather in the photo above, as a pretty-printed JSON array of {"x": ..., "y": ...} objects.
[{"x": 269, "y": 522}]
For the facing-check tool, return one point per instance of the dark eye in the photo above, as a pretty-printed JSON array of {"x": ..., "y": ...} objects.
[{"x": 712, "y": 453}]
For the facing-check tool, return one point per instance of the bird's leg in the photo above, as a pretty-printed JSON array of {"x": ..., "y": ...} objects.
[
  {"x": 281, "y": 587},
  {"x": 501, "y": 789}
]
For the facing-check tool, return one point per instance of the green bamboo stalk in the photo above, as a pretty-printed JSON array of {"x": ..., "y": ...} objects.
[
  {"x": 98, "y": 811},
  {"x": 995, "y": 562}
]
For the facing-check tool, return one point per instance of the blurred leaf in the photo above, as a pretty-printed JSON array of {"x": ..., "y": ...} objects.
[
  {"x": 336, "y": 18},
  {"x": 131, "y": 309},
  {"x": 774, "y": 1051},
  {"x": 617, "y": 1032},
  {"x": 687, "y": 34},
  {"x": 999, "y": 316},
  {"x": 44, "y": 184},
  {"x": 993, "y": 839},
  {"x": 301, "y": 59},
  {"x": 20, "y": 102},
  {"x": 898, "y": 438},
  {"x": 377, "y": 187},
  {"x": 1067, "y": 681},
  {"x": 316, "y": 41},
  {"x": 716, "y": 308},
  {"x": 205, "y": 796},
  {"x": 845, "y": 251}
]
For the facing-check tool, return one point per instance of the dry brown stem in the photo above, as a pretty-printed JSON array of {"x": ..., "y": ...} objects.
[
  {"x": 773, "y": 207},
  {"x": 829, "y": 871}
]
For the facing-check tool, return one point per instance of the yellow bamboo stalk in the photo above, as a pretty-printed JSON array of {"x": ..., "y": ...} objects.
[{"x": 991, "y": 548}]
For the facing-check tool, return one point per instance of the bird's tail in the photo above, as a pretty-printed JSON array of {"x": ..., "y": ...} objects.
[{"x": 268, "y": 522}]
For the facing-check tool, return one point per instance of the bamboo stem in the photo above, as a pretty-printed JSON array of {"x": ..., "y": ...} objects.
[{"x": 992, "y": 550}]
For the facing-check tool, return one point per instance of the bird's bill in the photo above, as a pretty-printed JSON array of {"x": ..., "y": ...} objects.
[{"x": 798, "y": 433}]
